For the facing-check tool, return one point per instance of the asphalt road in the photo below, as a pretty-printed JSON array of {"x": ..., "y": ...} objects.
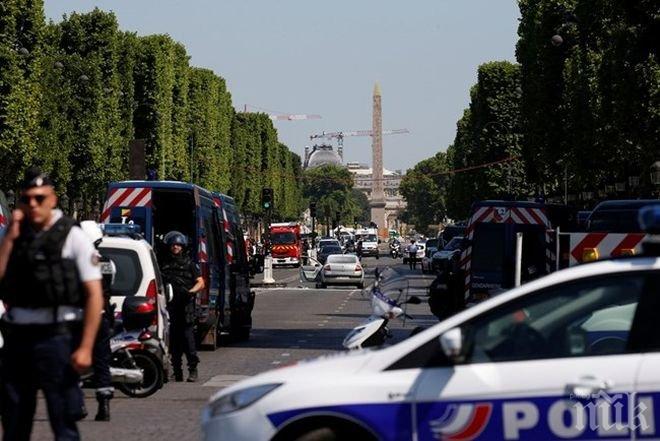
[{"x": 290, "y": 324}]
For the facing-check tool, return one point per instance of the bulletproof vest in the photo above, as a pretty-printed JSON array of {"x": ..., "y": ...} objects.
[
  {"x": 177, "y": 271},
  {"x": 37, "y": 275}
]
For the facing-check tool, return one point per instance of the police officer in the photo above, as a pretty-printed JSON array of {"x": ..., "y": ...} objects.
[
  {"x": 51, "y": 283},
  {"x": 182, "y": 273},
  {"x": 102, "y": 352}
]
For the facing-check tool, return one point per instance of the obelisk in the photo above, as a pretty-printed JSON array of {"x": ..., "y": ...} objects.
[{"x": 377, "y": 193}]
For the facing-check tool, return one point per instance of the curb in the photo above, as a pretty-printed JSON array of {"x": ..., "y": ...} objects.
[{"x": 268, "y": 285}]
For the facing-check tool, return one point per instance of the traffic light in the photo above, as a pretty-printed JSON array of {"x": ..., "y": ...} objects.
[
  {"x": 267, "y": 198},
  {"x": 312, "y": 209}
]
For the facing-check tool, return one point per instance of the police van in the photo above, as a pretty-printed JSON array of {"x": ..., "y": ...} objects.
[
  {"x": 572, "y": 355},
  {"x": 210, "y": 222}
]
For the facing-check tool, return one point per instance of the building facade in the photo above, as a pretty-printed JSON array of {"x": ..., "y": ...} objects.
[{"x": 394, "y": 202}]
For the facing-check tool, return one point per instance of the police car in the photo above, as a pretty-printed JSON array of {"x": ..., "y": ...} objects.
[{"x": 573, "y": 355}]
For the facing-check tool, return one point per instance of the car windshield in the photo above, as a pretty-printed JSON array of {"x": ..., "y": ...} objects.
[
  {"x": 369, "y": 238},
  {"x": 283, "y": 238},
  {"x": 453, "y": 244},
  {"x": 432, "y": 243},
  {"x": 331, "y": 249},
  {"x": 129, "y": 271},
  {"x": 338, "y": 258},
  {"x": 614, "y": 221}
]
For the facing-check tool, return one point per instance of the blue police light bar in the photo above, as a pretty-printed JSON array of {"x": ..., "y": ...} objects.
[
  {"x": 649, "y": 219},
  {"x": 121, "y": 229}
]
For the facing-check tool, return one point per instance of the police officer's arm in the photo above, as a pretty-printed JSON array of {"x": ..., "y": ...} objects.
[
  {"x": 7, "y": 245},
  {"x": 199, "y": 280},
  {"x": 81, "y": 359},
  {"x": 89, "y": 271}
]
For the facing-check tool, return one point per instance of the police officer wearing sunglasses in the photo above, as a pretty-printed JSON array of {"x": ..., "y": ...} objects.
[{"x": 50, "y": 281}]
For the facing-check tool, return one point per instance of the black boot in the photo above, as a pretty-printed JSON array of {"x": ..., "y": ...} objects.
[
  {"x": 103, "y": 413},
  {"x": 192, "y": 375},
  {"x": 178, "y": 375}
]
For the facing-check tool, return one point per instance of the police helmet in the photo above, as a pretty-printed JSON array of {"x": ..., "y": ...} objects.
[{"x": 175, "y": 238}]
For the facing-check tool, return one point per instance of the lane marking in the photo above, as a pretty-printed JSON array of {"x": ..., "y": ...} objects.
[
  {"x": 286, "y": 354},
  {"x": 276, "y": 362}
]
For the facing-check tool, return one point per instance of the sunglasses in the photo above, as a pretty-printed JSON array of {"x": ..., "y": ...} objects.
[{"x": 39, "y": 199}]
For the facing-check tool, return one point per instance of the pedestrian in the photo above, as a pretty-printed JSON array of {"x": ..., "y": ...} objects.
[
  {"x": 358, "y": 248},
  {"x": 412, "y": 254},
  {"x": 184, "y": 276},
  {"x": 51, "y": 284}
]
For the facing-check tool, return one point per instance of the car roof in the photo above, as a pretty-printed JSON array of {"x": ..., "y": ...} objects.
[
  {"x": 625, "y": 204},
  {"x": 334, "y": 256}
]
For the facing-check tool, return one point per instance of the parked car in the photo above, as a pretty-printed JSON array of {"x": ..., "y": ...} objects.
[
  {"x": 432, "y": 246},
  {"x": 342, "y": 270},
  {"x": 137, "y": 271},
  {"x": 328, "y": 250},
  {"x": 421, "y": 250},
  {"x": 451, "y": 253}
]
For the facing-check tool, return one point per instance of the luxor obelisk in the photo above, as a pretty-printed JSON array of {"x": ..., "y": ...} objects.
[{"x": 377, "y": 193}]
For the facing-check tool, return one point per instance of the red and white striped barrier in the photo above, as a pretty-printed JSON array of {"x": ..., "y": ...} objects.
[
  {"x": 607, "y": 244},
  {"x": 126, "y": 197}
]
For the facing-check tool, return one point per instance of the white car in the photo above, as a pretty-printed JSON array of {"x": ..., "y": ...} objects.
[
  {"x": 564, "y": 356},
  {"x": 342, "y": 269},
  {"x": 137, "y": 271}
]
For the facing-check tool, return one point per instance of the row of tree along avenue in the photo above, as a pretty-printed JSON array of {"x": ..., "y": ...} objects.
[
  {"x": 74, "y": 94},
  {"x": 576, "y": 119}
]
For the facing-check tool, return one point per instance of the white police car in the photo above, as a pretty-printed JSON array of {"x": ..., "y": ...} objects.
[{"x": 574, "y": 355}]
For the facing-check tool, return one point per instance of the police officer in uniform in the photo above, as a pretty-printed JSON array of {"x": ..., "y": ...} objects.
[
  {"x": 102, "y": 352},
  {"x": 184, "y": 276},
  {"x": 51, "y": 283}
]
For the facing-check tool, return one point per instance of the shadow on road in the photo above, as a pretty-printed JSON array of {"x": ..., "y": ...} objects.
[{"x": 323, "y": 339}]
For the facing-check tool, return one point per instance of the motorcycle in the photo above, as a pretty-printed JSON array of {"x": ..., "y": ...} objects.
[
  {"x": 374, "y": 331},
  {"x": 395, "y": 250},
  {"x": 138, "y": 365}
]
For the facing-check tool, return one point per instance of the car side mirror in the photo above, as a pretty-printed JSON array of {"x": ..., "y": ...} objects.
[
  {"x": 451, "y": 343},
  {"x": 169, "y": 293}
]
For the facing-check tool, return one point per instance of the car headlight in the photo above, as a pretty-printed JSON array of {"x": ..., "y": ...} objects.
[{"x": 240, "y": 399}]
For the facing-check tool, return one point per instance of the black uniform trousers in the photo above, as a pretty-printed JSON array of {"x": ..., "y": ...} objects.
[
  {"x": 39, "y": 357},
  {"x": 182, "y": 341},
  {"x": 101, "y": 359}
]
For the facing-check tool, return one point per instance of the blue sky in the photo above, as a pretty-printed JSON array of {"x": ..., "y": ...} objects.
[{"x": 323, "y": 57}]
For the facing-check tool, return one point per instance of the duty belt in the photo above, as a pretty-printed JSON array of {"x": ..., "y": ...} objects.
[{"x": 44, "y": 316}]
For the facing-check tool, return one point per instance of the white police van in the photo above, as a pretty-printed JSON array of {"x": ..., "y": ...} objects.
[{"x": 574, "y": 355}]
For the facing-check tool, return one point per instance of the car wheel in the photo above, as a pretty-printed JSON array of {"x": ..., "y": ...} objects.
[
  {"x": 322, "y": 434},
  {"x": 360, "y": 286},
  {"x": 324, "y": 286}
]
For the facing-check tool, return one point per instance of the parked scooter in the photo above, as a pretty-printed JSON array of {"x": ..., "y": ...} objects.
[
  {"x": 374, "y": 330},
  {"x": 139, "y": 363}
]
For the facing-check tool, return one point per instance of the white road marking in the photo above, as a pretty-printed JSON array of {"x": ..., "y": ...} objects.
[
  {"x": 285, "y": 354},
  {"x": 276, "y": 362},
  {"x": 224, "y": 380}
]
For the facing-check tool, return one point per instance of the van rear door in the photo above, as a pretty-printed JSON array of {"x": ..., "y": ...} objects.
[{"x": 129, "y": 205}]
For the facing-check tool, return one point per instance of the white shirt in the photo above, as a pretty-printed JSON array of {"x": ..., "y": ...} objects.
[{"x": 412, "y": 248}]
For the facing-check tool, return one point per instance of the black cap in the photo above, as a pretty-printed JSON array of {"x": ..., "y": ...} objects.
[{"x": 34, "y": 177}]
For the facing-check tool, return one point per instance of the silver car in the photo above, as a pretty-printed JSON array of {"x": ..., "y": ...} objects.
[{"x": 342, "y": 269}]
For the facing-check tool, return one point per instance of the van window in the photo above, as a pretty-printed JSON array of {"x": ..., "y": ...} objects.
[
  {"x": 488, "y": 247},
  {"x": 129, "y": 271}
]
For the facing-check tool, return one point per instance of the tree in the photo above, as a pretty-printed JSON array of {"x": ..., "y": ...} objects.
[
  {"x": 330, "y": 186},
  {"x": 424, "y": 188},
  {"x": 21, "y": 27}
]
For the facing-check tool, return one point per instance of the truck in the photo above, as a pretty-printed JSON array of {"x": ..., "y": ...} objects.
[
  {"x": 211, "y": 223},
  {"x": 286, "y": 243},
  {"x": 551, "y": 240}
]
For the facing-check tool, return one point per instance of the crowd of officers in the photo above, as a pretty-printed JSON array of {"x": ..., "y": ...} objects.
[{"x": 58, "y": 320}]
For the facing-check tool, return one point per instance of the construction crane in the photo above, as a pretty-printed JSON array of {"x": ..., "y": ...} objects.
[
  {"x": 281, "y": 116},
  {"x": 339, "y": 136}
]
